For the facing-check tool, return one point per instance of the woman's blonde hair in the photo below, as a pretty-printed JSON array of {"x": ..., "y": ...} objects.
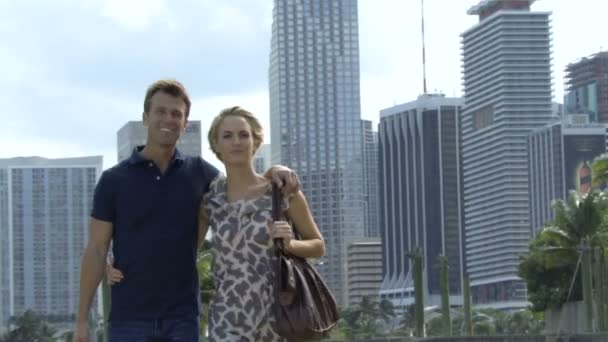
[{"x": 256, "y": 128}]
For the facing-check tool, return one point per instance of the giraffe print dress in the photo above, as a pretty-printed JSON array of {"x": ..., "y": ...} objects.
[{"x": 241, "y": 308}]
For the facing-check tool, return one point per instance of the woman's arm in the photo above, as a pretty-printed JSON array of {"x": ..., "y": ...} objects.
[{"x": 311, "y": 244}]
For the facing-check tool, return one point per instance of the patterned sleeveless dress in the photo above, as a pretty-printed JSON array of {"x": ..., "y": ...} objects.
[{"x": 241, "y": 308}]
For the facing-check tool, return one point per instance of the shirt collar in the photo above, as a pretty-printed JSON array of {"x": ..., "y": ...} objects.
[{"x": 138, "y": 158}]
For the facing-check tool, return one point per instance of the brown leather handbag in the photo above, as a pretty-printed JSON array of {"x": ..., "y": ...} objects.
[{"x": 304, "y": 308}]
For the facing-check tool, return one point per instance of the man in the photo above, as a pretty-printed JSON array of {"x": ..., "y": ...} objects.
[{"x": 148, "y": 206}]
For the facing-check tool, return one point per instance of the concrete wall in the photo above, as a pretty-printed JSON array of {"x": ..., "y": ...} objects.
[
  {"x": 513, "y": 338},
  {"x": 522, "y": 338}
]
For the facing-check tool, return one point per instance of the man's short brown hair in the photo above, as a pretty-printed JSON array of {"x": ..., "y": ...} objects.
[{"x": 170, "y": 87}]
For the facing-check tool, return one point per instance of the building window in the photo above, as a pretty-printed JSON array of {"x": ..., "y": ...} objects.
[{"x": 483, "y": 118}]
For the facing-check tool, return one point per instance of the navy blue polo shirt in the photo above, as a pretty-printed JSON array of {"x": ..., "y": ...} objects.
[{"x": 155, "y": 220}]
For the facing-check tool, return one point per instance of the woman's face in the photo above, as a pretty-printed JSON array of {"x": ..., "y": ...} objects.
[{"x": 235, "y": 142}]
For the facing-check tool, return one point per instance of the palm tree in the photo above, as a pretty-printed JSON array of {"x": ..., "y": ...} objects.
[
  {"x": 524, "y": 322},
  {"x": 362, "y": 320},
  {"x": 492, "y": 321},
  {"x": 30, "y": 327},
  {"x": 386, "y": 310},
  {"x": 368, "y": 307},
  {"x": 367, "y": 323},
  {"x": 579, "y": 226},
  {"x": 407, "y": 320},
  {"x": 599, "y": 171},
  {"x": 206, "y": 286}
]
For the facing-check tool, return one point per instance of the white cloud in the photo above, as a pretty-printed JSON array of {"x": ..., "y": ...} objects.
[
  {"x": 33, "y": 146},
  {"x": 229, "y": 18},
  {"x": 75, "y": 70},
  {"x": 137, "y": 15}
]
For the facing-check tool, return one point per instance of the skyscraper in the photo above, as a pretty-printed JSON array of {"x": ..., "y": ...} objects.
[
  {"x": 421, "y": 205},
  {"x": 316, "y": 118},
  {"x": 561, "y": 155},
  {"x": 370, "y": 168},
  {"x": 133, "y": 134},
  {"x": 44, "y": 214},
  {"x": 587, "y": 87},
  {"x": 507, "y": 85}
]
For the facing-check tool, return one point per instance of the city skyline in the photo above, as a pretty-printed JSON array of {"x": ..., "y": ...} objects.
[
  {"x": 323, "y": 102},
  {"x": 74, "y": 105}
]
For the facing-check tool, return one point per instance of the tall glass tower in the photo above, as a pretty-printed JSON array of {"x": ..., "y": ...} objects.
[{"x": 316, "y": 118}]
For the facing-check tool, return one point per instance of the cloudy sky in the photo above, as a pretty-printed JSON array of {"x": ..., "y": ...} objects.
[{"x": 72, "y": 72}]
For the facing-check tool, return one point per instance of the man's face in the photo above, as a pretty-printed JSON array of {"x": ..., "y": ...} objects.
[{"x": 166, "y": 119}]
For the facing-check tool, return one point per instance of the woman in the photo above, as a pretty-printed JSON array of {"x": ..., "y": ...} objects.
[{"x": 238, "y": 209}]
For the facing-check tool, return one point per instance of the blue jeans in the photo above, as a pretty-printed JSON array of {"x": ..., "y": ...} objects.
[{"x": 159, "y": 330}]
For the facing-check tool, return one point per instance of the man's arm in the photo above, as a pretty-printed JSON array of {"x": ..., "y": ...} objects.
[{"x": 92, "y": 267}]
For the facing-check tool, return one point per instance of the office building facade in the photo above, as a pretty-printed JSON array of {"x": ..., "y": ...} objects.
[
  {"x": 315, "y": 118},
  {"x": 507, "y": 85},
  {"x": 421, "y": 198},
  {"x": 45, "y": 206}
]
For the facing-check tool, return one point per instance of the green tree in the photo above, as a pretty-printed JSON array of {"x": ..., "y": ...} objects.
[
  {"x": 362, "y": 321},
  {"x": 548, "y": 287},
  {"x": 524, "y": 322},
  {"x": 386, "y": 310},
  {"x": 492, "y": 322},
  {"x": 407, "y": 320},
  {"x": 29, "y": 327},
  {"x": 599, "y": 171},
  {"x": 435, "y": 326},
  {"x": 548, "y": 269}
]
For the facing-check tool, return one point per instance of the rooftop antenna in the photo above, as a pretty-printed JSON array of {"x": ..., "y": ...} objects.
[{"x": 423, "y": 49}]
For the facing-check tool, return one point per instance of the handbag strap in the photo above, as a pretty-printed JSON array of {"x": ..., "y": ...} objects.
[
  {"x": 277, "y": 210},
  {"x": 277, "y": 215},
  {"x": 277, "y": 198}
]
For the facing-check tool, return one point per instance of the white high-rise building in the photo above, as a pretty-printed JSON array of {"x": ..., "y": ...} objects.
[
  {"x": 507, "y": 84},
  {"x": 45, "y": 206},
  {"x": 315, "y": 119},
  {"x": 134, "y": 134}
]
